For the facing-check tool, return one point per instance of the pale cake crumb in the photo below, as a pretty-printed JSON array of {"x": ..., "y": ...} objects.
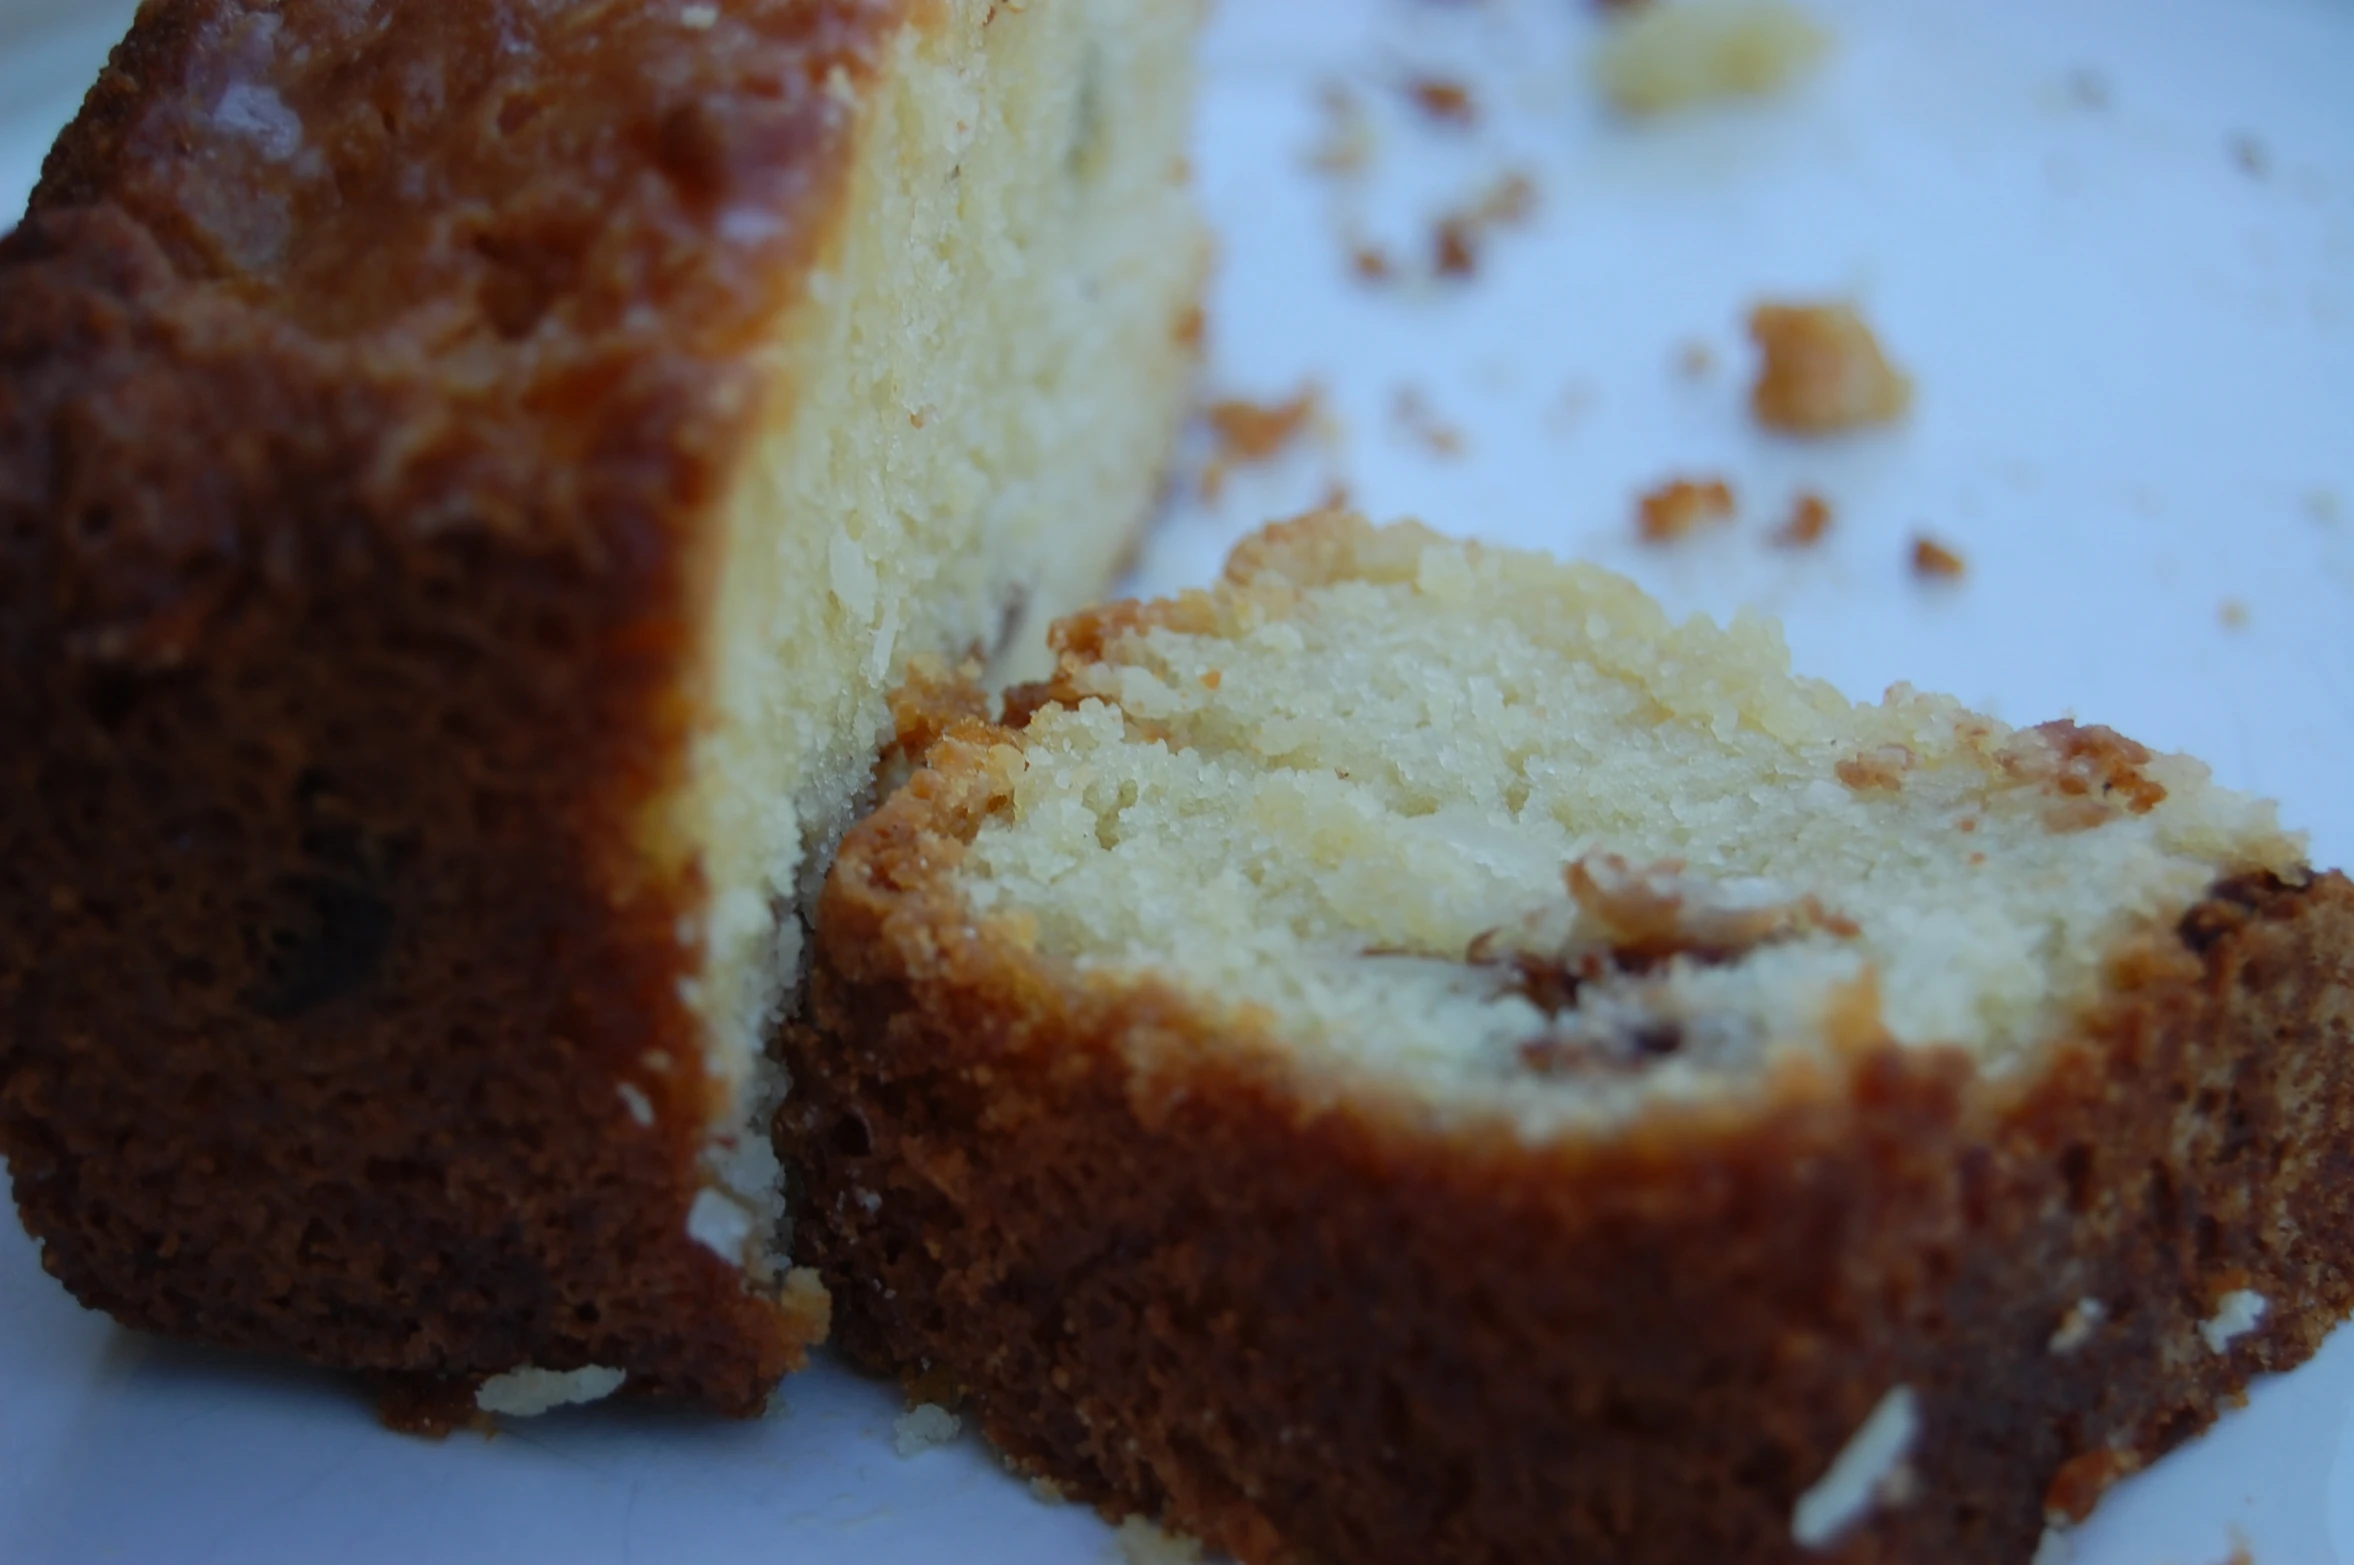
[
  {"x": 2233, "y": 613},
  {"x": 2077, "y": 1327},
  {"x": 2236, "y": 1314},
  {"x": 1345, "y": 144},
  {"x": 1387, "y": 829},
  {"x": 1143, "y": 1543},
  {"x": 1822, "y": 371},
  {"x": 922, "y": 1427},
  {"x": 529, "y": 1392},
  {"x": 1674, "y": 53},
  {"x": 1868, "y": 1472}
]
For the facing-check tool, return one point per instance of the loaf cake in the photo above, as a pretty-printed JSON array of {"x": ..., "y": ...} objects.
[
  {"x": 1414, "y": 1056},
  {"x": 470, "y": 474}
]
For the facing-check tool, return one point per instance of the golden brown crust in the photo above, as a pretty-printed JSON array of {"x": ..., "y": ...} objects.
[
  {"x": 1318, "y": 1326},
  {"x": 364, "y": 372}
]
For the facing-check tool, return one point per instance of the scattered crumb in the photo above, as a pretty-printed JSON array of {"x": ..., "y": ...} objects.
[
  {"x": 2234, "y": 614},
  {"x": 1370, "y": 262},
  {"x": 1142, "y": 1543},
  {"x": 1822, "y": 371},
  {"x": 1696, "y": 361},
  {"x": 1452, "y": 253},
  {"x": 1253, "y": 432},
  {"x": 1048, "y": 1492},
  {"x": 1810, "y": 518},
  {"x": 2240, "y": 1553},
  {"x": 2088, "y": 87},
  {"x": 1447, "y": 102},
  {"x": 1459, "y": 235},
  {"x": 1345, "y": 145},
  {"x": 1249, "y": 433},
  {"x": 2324, "y": 506},
  {"x": 1681, "y": 506},
  {"x": 1664, "y": 57},
  {"x": 1933, "y": 561},
  {"x": 922, "y": 1427},
  {"x": 1415, "y": 419},
  {"x": 2249, "y": 154}
]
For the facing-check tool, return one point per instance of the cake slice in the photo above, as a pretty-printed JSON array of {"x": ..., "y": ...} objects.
[
  {"x": 1414, "y": 1056},
  {"x": 469, "y": 475}
]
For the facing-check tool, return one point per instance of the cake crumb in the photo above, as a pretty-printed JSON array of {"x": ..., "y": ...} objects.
[
  {"x": 1250, "y": 433},
  {"x": 1696, "y": 361},
  {"x": 1258, "y": 431},
  {"x": 922, "y": 1427},
  {"x": 1370, "y": 262},
  {"x": 1660, "y": 58},
  {"x": 2077, "y": 1327},
  {"x": 2233, "y": 613},
  {"x": 1444, "y": 101},
  {"x": 529, "y": 1392},
  {"x": 1822, "y": 371},
  {"x": 1870, "y": 1471},
  {"x": 1680, "y": 507},
  {"x": 1142, "y": 1543},
  {"x": 1414, "y": 419},
  {"x": 1459, "y": 236},
  {"x": 1810, "y": 519},
  {"x": 1934, "y": 561},
  {"x": 2248, "y": 154},
  {"x": 1345, "y": 144},
  {"x": 2236, "y": 1314}
]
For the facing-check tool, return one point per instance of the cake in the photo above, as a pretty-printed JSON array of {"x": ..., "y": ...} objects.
[
  {"x": 470, "y": 475},
  {"x": 1413, "y": 1055}
]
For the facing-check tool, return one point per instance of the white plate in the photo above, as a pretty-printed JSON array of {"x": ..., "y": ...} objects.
[{"x": 2137, "y": 402}]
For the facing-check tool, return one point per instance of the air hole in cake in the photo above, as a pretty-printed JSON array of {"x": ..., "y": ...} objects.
[{"x": 2076, "y": 1172}]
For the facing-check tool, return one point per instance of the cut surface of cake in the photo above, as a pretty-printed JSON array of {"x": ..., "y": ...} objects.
[
  {"x": 1414, "y": 1055},
  {"x": 470, "y": 474}
]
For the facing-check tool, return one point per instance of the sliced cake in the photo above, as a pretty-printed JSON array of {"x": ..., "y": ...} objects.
[
  {"x": 470, "y": 473},
  {"x": 1414, "y": 1056}
]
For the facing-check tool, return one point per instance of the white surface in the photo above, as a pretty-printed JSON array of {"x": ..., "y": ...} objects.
[{"x": 2136, "y": 364}]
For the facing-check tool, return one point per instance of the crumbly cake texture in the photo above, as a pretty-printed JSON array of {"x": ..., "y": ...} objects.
[
  {"x": 470, "y": 475},
  {"x": 1414, "y": 1056}
]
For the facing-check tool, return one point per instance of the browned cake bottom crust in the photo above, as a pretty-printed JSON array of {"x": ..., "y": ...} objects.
[{"x": 1168, "y": 1281}]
